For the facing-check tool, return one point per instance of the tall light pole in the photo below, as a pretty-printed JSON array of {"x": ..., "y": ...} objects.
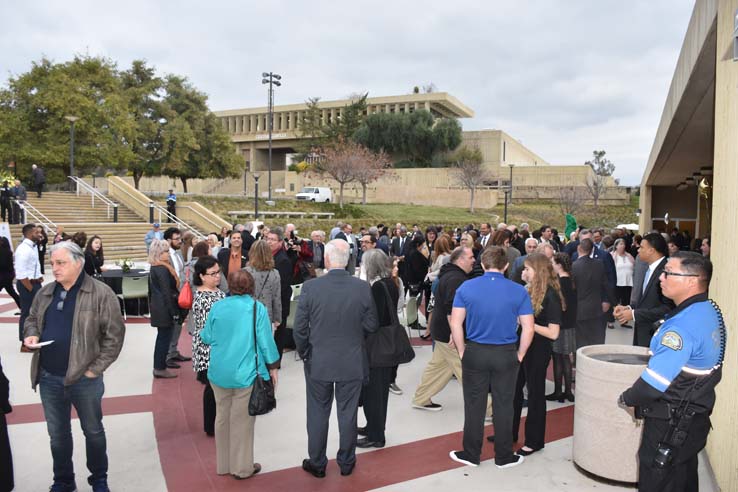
[
  {"x": 511, "y": 183},
  {"x": 71, "y": 119},
  {"x": 272, "y": 79},
  {"x": 256, "y": 196}
]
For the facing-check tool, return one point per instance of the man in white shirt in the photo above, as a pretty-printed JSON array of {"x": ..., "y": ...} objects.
[
  {"x": 27, "y": 273},
  {"x": 174, "y": 237}
]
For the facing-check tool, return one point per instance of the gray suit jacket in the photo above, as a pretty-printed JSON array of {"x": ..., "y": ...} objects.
[{"x": 335, "y": 312}]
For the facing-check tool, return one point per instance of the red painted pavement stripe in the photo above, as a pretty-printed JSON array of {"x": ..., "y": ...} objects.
[
  {"x": 10, "y": 306},
  {"x": 116, "y": 405}
]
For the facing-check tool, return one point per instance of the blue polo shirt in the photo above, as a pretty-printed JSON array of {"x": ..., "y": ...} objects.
[
  {"x": 58, "y": 327},
  {"x": 493, "y": 304}
]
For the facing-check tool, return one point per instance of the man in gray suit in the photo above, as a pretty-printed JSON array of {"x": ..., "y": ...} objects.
[
  {"x": 593, "y": 296},
  {"x": 334, "y": 314}
]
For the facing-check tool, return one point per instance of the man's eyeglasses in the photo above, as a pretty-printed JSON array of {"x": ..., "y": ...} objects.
[
  {"x": 60, "y": 304},
  {"x": 213, "y": 274},
  {"x": 677, "y": 274}
]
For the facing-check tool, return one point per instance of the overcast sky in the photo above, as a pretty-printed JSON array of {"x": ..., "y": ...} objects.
[{"x": 565, "y": 77}]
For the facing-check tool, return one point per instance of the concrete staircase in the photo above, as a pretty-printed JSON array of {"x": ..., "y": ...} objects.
[{"x": 123, "y": 239}]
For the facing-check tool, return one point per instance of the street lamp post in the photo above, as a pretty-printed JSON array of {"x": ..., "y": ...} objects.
[
  {"x": 71, "y": 119},
  {"x": 272, "y": 79},
  {"x": 505, "y": 212},
  {"x": 511, "y": 182},
  {"x": 256, "y": 196}
]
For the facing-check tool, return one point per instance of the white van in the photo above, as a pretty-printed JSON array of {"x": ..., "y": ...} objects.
[{"x": 315, "y": 194}]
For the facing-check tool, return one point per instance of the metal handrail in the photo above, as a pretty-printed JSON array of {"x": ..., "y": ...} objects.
[
  {"x": 94, "y": 193},
  {"x": 36, "y": 215},
  {"x": 173, "y": 218}
]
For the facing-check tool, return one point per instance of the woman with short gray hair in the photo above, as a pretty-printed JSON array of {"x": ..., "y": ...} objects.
[{"x": 375, "y": 394}]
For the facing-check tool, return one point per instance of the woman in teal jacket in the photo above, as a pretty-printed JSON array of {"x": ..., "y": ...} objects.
[{"x": 229, "y": 331}]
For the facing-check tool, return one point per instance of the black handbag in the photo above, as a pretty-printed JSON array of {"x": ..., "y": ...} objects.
[
  {"x": 389, "y": 345},
  {"x": 262, "y": 399}
]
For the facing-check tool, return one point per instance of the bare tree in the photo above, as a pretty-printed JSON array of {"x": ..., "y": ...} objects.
[
  {"x": 347, "y": 162},
  {"x": 602, "y": 169},
  {"x": 571, "y": 199},
  {"x": 370, "y": 167},
  {"x": 469, "y": 172}
]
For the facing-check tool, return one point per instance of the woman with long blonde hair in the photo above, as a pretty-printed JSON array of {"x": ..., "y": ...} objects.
[
  {"x": 548, "y": 303},
  {"x": 163, "y": 305}
]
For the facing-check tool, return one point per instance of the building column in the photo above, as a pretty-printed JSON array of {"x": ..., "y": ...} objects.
[{"x": 722, "y": 447}]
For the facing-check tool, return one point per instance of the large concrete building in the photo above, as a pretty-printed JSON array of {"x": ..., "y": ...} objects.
[
  {"x": 697, "y": 143},
  {"x": 505, "y": 157}
]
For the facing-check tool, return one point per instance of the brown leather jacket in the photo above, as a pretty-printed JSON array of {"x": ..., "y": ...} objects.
[{"x": 97, "y": 330}]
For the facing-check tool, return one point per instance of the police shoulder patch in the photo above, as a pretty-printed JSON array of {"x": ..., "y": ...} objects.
[{"x": 673, "y": 340}]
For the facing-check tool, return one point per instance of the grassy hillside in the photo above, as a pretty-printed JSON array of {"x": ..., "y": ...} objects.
[{"x": 535, "y": 213}]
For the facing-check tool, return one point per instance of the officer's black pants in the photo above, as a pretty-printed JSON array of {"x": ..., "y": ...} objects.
[{"x": 681, "y": 476}]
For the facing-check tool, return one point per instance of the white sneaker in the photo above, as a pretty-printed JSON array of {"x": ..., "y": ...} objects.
[
  {"x": 395, "y": 389},
  {"x": 460, "y": 457}
]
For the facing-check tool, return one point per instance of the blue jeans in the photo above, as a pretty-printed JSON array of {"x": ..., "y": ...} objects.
[
  {"x": 86, "y": 396},
  {"x": 161, "y": 347}
]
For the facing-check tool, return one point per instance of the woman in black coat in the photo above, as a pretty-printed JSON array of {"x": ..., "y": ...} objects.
[
  {"x": 94, "y": 257},
  {"x": 7, "y": 270},
  {"x": 375, "y": 394},
  {"x": 163, "y": 296}
]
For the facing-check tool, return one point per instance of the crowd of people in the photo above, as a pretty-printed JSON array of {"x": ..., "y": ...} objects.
[{"x": 500, "y": 303}]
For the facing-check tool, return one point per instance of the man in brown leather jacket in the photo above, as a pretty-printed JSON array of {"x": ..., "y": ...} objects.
[{"x": 76, "y": 330}]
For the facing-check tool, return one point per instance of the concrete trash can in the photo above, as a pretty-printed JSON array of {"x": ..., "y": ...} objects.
[{"x": 606, "y": 437}]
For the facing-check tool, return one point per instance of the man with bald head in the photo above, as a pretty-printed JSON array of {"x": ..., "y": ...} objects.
[
  {"x": 78, "y": 321},
  {"x": 334, "y": 315}
]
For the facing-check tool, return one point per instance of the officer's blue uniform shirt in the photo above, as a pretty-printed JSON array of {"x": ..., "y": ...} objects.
[
  {"x": 689, "y": 342},
  {"x": 172, "y": 197}
]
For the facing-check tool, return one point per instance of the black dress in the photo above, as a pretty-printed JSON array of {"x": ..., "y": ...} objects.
[
  {"x": 93, "y": 264},
  {"x": 375, "y": 394},
  {"x": 533, "y": 373}
]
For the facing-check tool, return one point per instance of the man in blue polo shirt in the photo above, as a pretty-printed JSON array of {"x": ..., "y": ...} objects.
[{"x": 492, "y": 306}]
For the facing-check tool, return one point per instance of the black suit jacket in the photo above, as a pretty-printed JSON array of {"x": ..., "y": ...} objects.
[
  {"x": 395, "y": 248},
  {"x": 335, "y": 312},
  {"x": 651, "y": 307},
  {"x": 592, "y": 288},
  {"x": 224, "y": 257}
]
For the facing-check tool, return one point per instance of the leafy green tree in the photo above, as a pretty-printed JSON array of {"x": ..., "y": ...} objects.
[
  {"x": 316, "y": 133},
  {"x": 33, "y": 110},
  {"x": 194, "y": 143},
  {"x": 416, "y": 136}
]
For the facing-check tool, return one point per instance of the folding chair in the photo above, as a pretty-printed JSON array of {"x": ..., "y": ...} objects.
[{"x": 133, "y": 288}]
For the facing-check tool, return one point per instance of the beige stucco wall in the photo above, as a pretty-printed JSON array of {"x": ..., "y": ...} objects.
[
  {"x": 722, "y": 445},
  {"x": 499, "y": 150}
]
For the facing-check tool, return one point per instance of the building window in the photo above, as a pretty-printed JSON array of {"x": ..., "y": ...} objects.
[{"x": 292, "y": 186}]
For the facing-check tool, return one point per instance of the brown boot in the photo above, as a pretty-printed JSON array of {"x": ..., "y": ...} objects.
[{"x": 163, "y": 373}]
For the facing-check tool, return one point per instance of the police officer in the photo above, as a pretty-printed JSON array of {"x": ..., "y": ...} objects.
[
  {"x": 676, "y": 393},
  {"x": 171, "y": 205}
]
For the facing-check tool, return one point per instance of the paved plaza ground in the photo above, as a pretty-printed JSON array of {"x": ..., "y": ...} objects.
[{"x": 156, "y": 441}]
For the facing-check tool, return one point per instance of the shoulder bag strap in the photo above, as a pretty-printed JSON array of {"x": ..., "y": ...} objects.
[
  {"x": 256, "y": 349},
  {"x": 264, "y": 283},
  {"x": 390, "y": 304}
]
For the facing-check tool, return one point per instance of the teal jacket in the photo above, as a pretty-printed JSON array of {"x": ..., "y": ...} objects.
[{"x": 230, "y": 334}]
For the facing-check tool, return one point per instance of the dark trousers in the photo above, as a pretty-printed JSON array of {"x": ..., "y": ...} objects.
[
  {"x": 6, "y": 212},
  {"x": 319, "y": 402},
  {"x": 622, "y": 295},
  {"x": 19, "y": 215},
  {"x": 7, "y": 284},
  {"x": 26, "y": 299},
  {"x": 533, "y": 373},
  {"x": 42, "y": 260},
  {"x": 172, "y": 209},
  {"x": 485, "y": 368},
  {"x": 57, "y": 400},
  {"x": 39, "y": 189},
  {"x": 375, "y": 396},
  {"x": 161, "y": 346},
  {"x": 208, "y": 403},
  {"x": 681, "y": 476},
  {"x": 6, "y": 458}
]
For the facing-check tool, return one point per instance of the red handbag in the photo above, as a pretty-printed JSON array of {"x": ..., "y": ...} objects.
[{"x": 185, "y": 294}]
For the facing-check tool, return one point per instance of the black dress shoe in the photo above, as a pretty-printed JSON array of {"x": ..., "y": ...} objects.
[
  {"x": 172, "y": 364},
  {"x": 554, "y": 396},
  {"x": 526, "y": 452},
  {"x": 361, "y": 431},
  {"x": 316, "y": 472},
  {"x": 181, "y": 358},
  {"x": 364, "y": 442},
  {"x": 348, "y": 470},
  {"x": 425, "y": 337}
]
